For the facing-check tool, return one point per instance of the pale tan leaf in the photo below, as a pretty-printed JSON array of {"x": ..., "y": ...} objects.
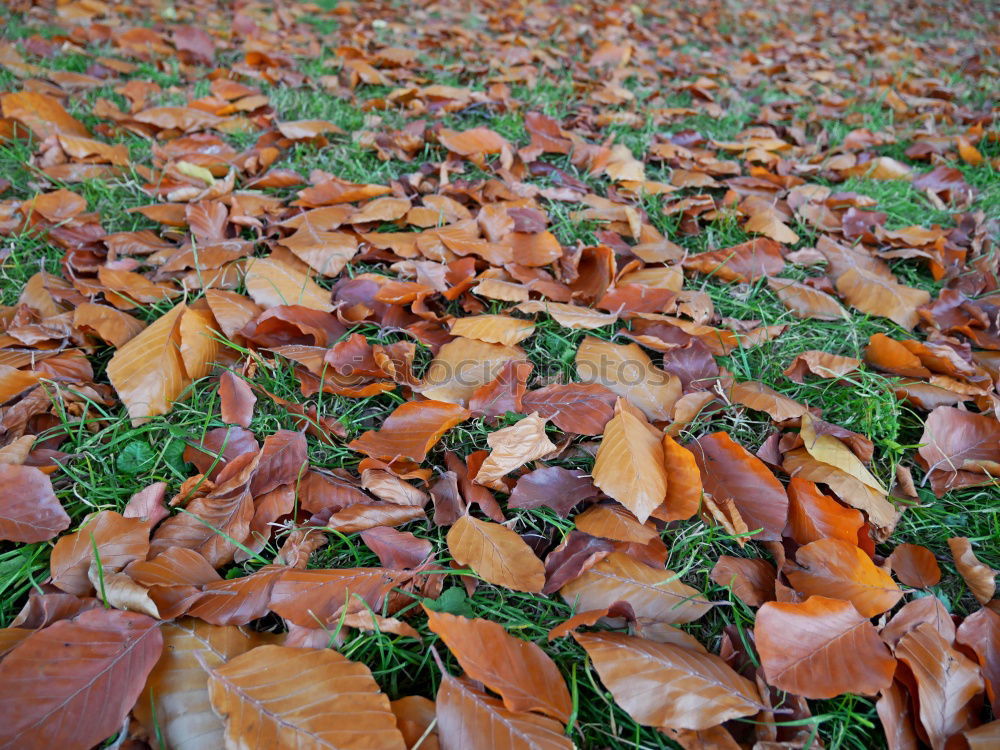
[
  {"x": 274, "y": 697},
  {"x": 513, "y": 447},
  {"x": 496, "y": 553},
  {"x": 271, "y": 283},
  {"x": 628, "y": 371}
]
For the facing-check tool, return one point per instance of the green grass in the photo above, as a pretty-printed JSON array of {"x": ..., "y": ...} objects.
[{"x": 110, "y": 459}]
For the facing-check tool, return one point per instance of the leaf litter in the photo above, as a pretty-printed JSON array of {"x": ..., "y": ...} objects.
[{"x": 569, "y": 384}]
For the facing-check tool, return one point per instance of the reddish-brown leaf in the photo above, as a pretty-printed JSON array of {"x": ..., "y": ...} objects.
[
  {"x": 554, "y": 487},
  {"x": 73, "y": 683},
  {"x": 583, "y": 408},
  {"x": 666, "y": 685},
  {"x": 729, "y": 471},
  {"x": 946, "y": 683},
  {"x": 959, "y": 449},
  {"x": 29, "y": 509},
  {"x": 118, "y": 540},
  {"x": 980, "y": 632},
  {"x": 752, "y": 580},
  {"x": 410, "y": 431},
  {"x": 496, "y": 553},
  {"x": 813, "y": 516},
  {"x": 915, "y": 566},
  {"x": 236, "y": 399},
  {"x": 821, "y": 648},
  {"x": 837, "y": 569},
  {"x": 981, "y": 579},
  {"x": 524, "y": 676}
]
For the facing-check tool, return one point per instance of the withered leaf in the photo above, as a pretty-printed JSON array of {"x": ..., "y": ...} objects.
[{"x": 496, "y": 553}]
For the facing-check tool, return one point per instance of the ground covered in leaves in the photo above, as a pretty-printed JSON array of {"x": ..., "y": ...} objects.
[{"x": 499, "y": 375}]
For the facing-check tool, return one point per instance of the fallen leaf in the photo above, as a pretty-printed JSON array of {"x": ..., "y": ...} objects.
[
  {"x": 236, "y": 399},
  {"x": 573, "y": 407},
  {"x": 946, "y": 683},
  {"x": 410, "y": 431},
  {"x": 496, "y": 553},
  {"x": 117, "y": 540},
  {"x": 752, "y": 580},
  {"x": 837, "y": 569},
  {"x": 875, "y": 295},
  {"x": 805, "y": 302},
  {"x": 272, "y": 282},
  {"x": 104, "y": 656},
  {"x": 29, "y": 509},
  {"x": 915, "y": 566},
  {"x": 729, "y": 471},
  {"x": 626, "y": 370},
  {"x": 466, "y": 715},
  {"x": 821, "y": 648},
  {"x": 980, "y": 578},
  {"x": 463, "y": 365},
  {"x": 654, "y": 594},
  {"x": 255, "y": 693},
  {"x": 980, "y": 632},
  {"x": 513, "y": 447},
  {"x": 526, "y": 678},
  {"x": 666, "y": 685},
  {"x": 493, "y": 329},
  {"x": 554, "y": 487},
  {"x": 629, "y": 465}
]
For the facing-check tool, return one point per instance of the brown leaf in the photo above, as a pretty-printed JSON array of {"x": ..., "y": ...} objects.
[
  {"x": 729, "y": 471},
  {"x": 980, "y": 632},
  {"x": 752, "y": 580},
  {"x": 655, "y": 595},
  {"x": 493, "y": 329},
  {"x": 821, "y": 648},
  {"x": 496, "y": 554},
  {"x": 574, "y": 407},
  {"x": 575, "y": 317},
  {"x": 397, "y": 549},
  {"x": 813, "y": 515},
  {"x": 980, "y": 578},
  {"x": 466, "y": 715},
  {"x": 513, "y": 447},
  {"x": 271, "y": 282},
  {"x": 236, "y": 601},
  {"x": 175, "y": 698},
  {"x": 821, "y": 364},
  {"x": 311, "y": 598},
  {"x": 410, "y": 431},
  {"x": 834, "y": 568},
  {"x": 42, "y": 113},
  {"x": 959, "y": 449},
  {"x": 29, "y": 509},
  {"x": 463, "y": 365},
  {"x": 103, "y": 659},
  {"x": 946, "y": 683},
  {"x": 524, "y": 676},
  {"x": 666, "y": 685},
  {"x": 613, "y": 521},
  {"x": 258, "y": 695},
  {"x": 760, "y": 397},
  {"x": 148, "y": 371},
  {"x": 915, "y": 566},
  {"x": 629, "y": 465},
  {"x": 875, "y": 295},
  {"x": 684, "y": 486},
  {"x": 926, "y": 609},
  {"x": 554, "y": 487},
  {"x": 747, "y": 261},
  {"x": 415, "y": 717},
  {"x": 114, "y": 326},
  {"x": 118, "y": 540},
  {"x": 236, "y": 399},
  {"x": 574, "y": 556},
  {"x": 805, "y": 302},
  {"x": 626, "y": 370}
]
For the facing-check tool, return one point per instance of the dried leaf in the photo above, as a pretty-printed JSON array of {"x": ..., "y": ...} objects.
[
  {"x": 256, "y": 692},
  {"x": 821, "y": 648},
  {"x": 29, "y": 509},
  {"x": 980, "y": 578},
  {"x": 626, "y": 370},
  {"x": 497, "y": 554},
  {"x": 410, "y": 431},
  {"x": 513, "y": 447},
  {"x": 526, "y": 678},
  {"x": 666, "y": 685}
]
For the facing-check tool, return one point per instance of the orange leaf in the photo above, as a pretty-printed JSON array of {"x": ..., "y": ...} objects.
[
  {"x": 410, "y": 431},
  {"x": 496, "y": 553}
]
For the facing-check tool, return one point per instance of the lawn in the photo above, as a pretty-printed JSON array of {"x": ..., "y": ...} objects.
[{"x": 569, "y": 153}]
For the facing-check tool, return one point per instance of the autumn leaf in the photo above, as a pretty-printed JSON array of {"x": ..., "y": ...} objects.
[
  {"x": 271, "y": 282},
  {"x": 915, "y": 566},
  {"x": 29, "y": 509},
  {"x": 513, "y": 447},
  {"x": 629, "y": 465},
  {"x": 104, "y": 656},
  {"x": 980, "y": 578},
  {"x": 626, "y": 370},
  {"x": 666, "y": 685},
  {"x": 466, "y": 714},
  {"x": 729, "y": 471},
  {"x": 410, "y": 431},
  {"x": 654, "y": 594},
  {"x": 821, "y": 648},
  {"x": 518, "y": 670},
  {"x": 837, "y": 569},
  {"x": 583, "y": 408},
  {"x": 255, "y": 693},
  {"x": 496, "y": 553},
  {"x": 946, "y": 683}
]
